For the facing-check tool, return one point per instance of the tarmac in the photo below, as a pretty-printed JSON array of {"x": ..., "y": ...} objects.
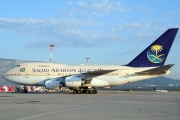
[{"x": 106, "y": 105}]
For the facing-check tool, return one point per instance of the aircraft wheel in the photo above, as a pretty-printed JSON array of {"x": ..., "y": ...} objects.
[
  {"x": 84, "y": 91},
  {"x": 87, "y": 91},
  {"x": 92, "y": 91},
  {"x": 79, "y": 91},
  {"x": 75, "y": 91},
  {"x": 25, "y": 91}
]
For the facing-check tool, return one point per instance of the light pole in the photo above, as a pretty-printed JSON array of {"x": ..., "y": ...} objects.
[
  {"x": 51, "y": 45},
  {"x": 87, "y": 61}
]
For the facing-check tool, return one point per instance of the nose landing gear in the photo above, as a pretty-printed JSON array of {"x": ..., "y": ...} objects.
[{"x": 25, "y": 89}]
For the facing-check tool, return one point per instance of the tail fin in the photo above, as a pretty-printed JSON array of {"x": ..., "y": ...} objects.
[
  {"x": 157, "y": 52},
  {"x": 154, "y": 88}
]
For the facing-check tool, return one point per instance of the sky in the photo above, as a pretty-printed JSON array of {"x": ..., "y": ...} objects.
[{"x": 106, "y": 31}]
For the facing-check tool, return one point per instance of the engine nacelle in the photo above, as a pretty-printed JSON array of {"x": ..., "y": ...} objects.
[
  {"x": 52, "y": 84},
  {"x": 73, "y": 81}
]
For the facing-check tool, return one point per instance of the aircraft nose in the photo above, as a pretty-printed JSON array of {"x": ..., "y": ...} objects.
[{"x": 5, "y": 76}]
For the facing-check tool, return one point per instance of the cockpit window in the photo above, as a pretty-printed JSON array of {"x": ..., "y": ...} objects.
[
  {"x": 22, "y": 70},
  {"x": 18, "y": 65}
]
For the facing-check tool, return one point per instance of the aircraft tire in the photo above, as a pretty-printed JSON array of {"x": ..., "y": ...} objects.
[
  {"x": 87, "y": 91},
  {"x": 75, "y": 91},
  {"x": 84, "y": 91},
  {"x": 79, "y": 92},
  {"x": 94, "y": 92},
  {"x": 25, "y": 91}
]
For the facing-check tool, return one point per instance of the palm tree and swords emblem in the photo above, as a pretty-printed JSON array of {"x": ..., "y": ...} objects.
[{"x": 153, "y": 55}]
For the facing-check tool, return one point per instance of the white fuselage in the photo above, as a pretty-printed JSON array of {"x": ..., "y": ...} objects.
[
  {"x": 161, "y": 90},
  {"x": 38, "y": 73}
]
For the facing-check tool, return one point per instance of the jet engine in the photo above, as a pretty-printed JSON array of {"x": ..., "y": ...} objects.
[
  {"x": 52, "y": 84},
  {"x": 74, "y": 81}
]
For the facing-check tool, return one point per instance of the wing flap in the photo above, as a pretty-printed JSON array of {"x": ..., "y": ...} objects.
[{"x": 91, "y": 74}]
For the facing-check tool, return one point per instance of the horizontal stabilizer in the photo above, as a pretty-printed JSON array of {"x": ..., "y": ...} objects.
[{"x": 156, "y": 71}]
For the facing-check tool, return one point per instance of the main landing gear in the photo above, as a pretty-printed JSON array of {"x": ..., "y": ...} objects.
[
  {"x": 85, "y": 91},
  {"x": 21, "y": 90}
]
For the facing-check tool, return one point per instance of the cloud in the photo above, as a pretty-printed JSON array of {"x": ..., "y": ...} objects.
[
  {"x": 144, "y": 8},
  {"x": 134, "y": 26},
  {"x": 98, "y": 8},
  {"x": 66, "y": 33},
  {"x": 73, "y": 32},
  {"x": 88, "y": 24},
  {"x": 37, "y": 24},
  {"x": 75, "y": 28}
]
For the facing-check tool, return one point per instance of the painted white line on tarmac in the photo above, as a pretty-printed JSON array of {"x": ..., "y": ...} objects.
[{"x": 53, "y": 112}]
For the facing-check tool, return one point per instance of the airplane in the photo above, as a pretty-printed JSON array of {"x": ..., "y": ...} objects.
[
  {"x": 159, "y": 90},
  {"x": 86, "y": 78}
]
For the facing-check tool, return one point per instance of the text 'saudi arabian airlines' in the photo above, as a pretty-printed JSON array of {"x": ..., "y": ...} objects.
[{"x": 86, "y": 78}]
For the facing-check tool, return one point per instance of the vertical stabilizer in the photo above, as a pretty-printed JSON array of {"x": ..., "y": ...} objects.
[{"x": 156, "y": 53}]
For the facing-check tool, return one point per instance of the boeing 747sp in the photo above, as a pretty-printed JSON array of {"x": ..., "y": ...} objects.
[{"x": 85, "y": 79}]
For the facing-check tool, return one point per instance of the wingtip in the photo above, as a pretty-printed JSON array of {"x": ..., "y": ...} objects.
[{"x": 173, "y": 28}]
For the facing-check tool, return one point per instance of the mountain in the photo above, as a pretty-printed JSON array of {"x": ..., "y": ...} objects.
[
  {"x": 7, "y": 64},
  {"x": 147, "y": 85},
  {"x": 160, "y": 81}
]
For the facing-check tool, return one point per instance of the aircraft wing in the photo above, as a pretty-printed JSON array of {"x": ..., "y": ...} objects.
[
  {"x": 98, "y": 72},
  {"x": 156, "y": 71},
  {"x": 91, "y": 74}
]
